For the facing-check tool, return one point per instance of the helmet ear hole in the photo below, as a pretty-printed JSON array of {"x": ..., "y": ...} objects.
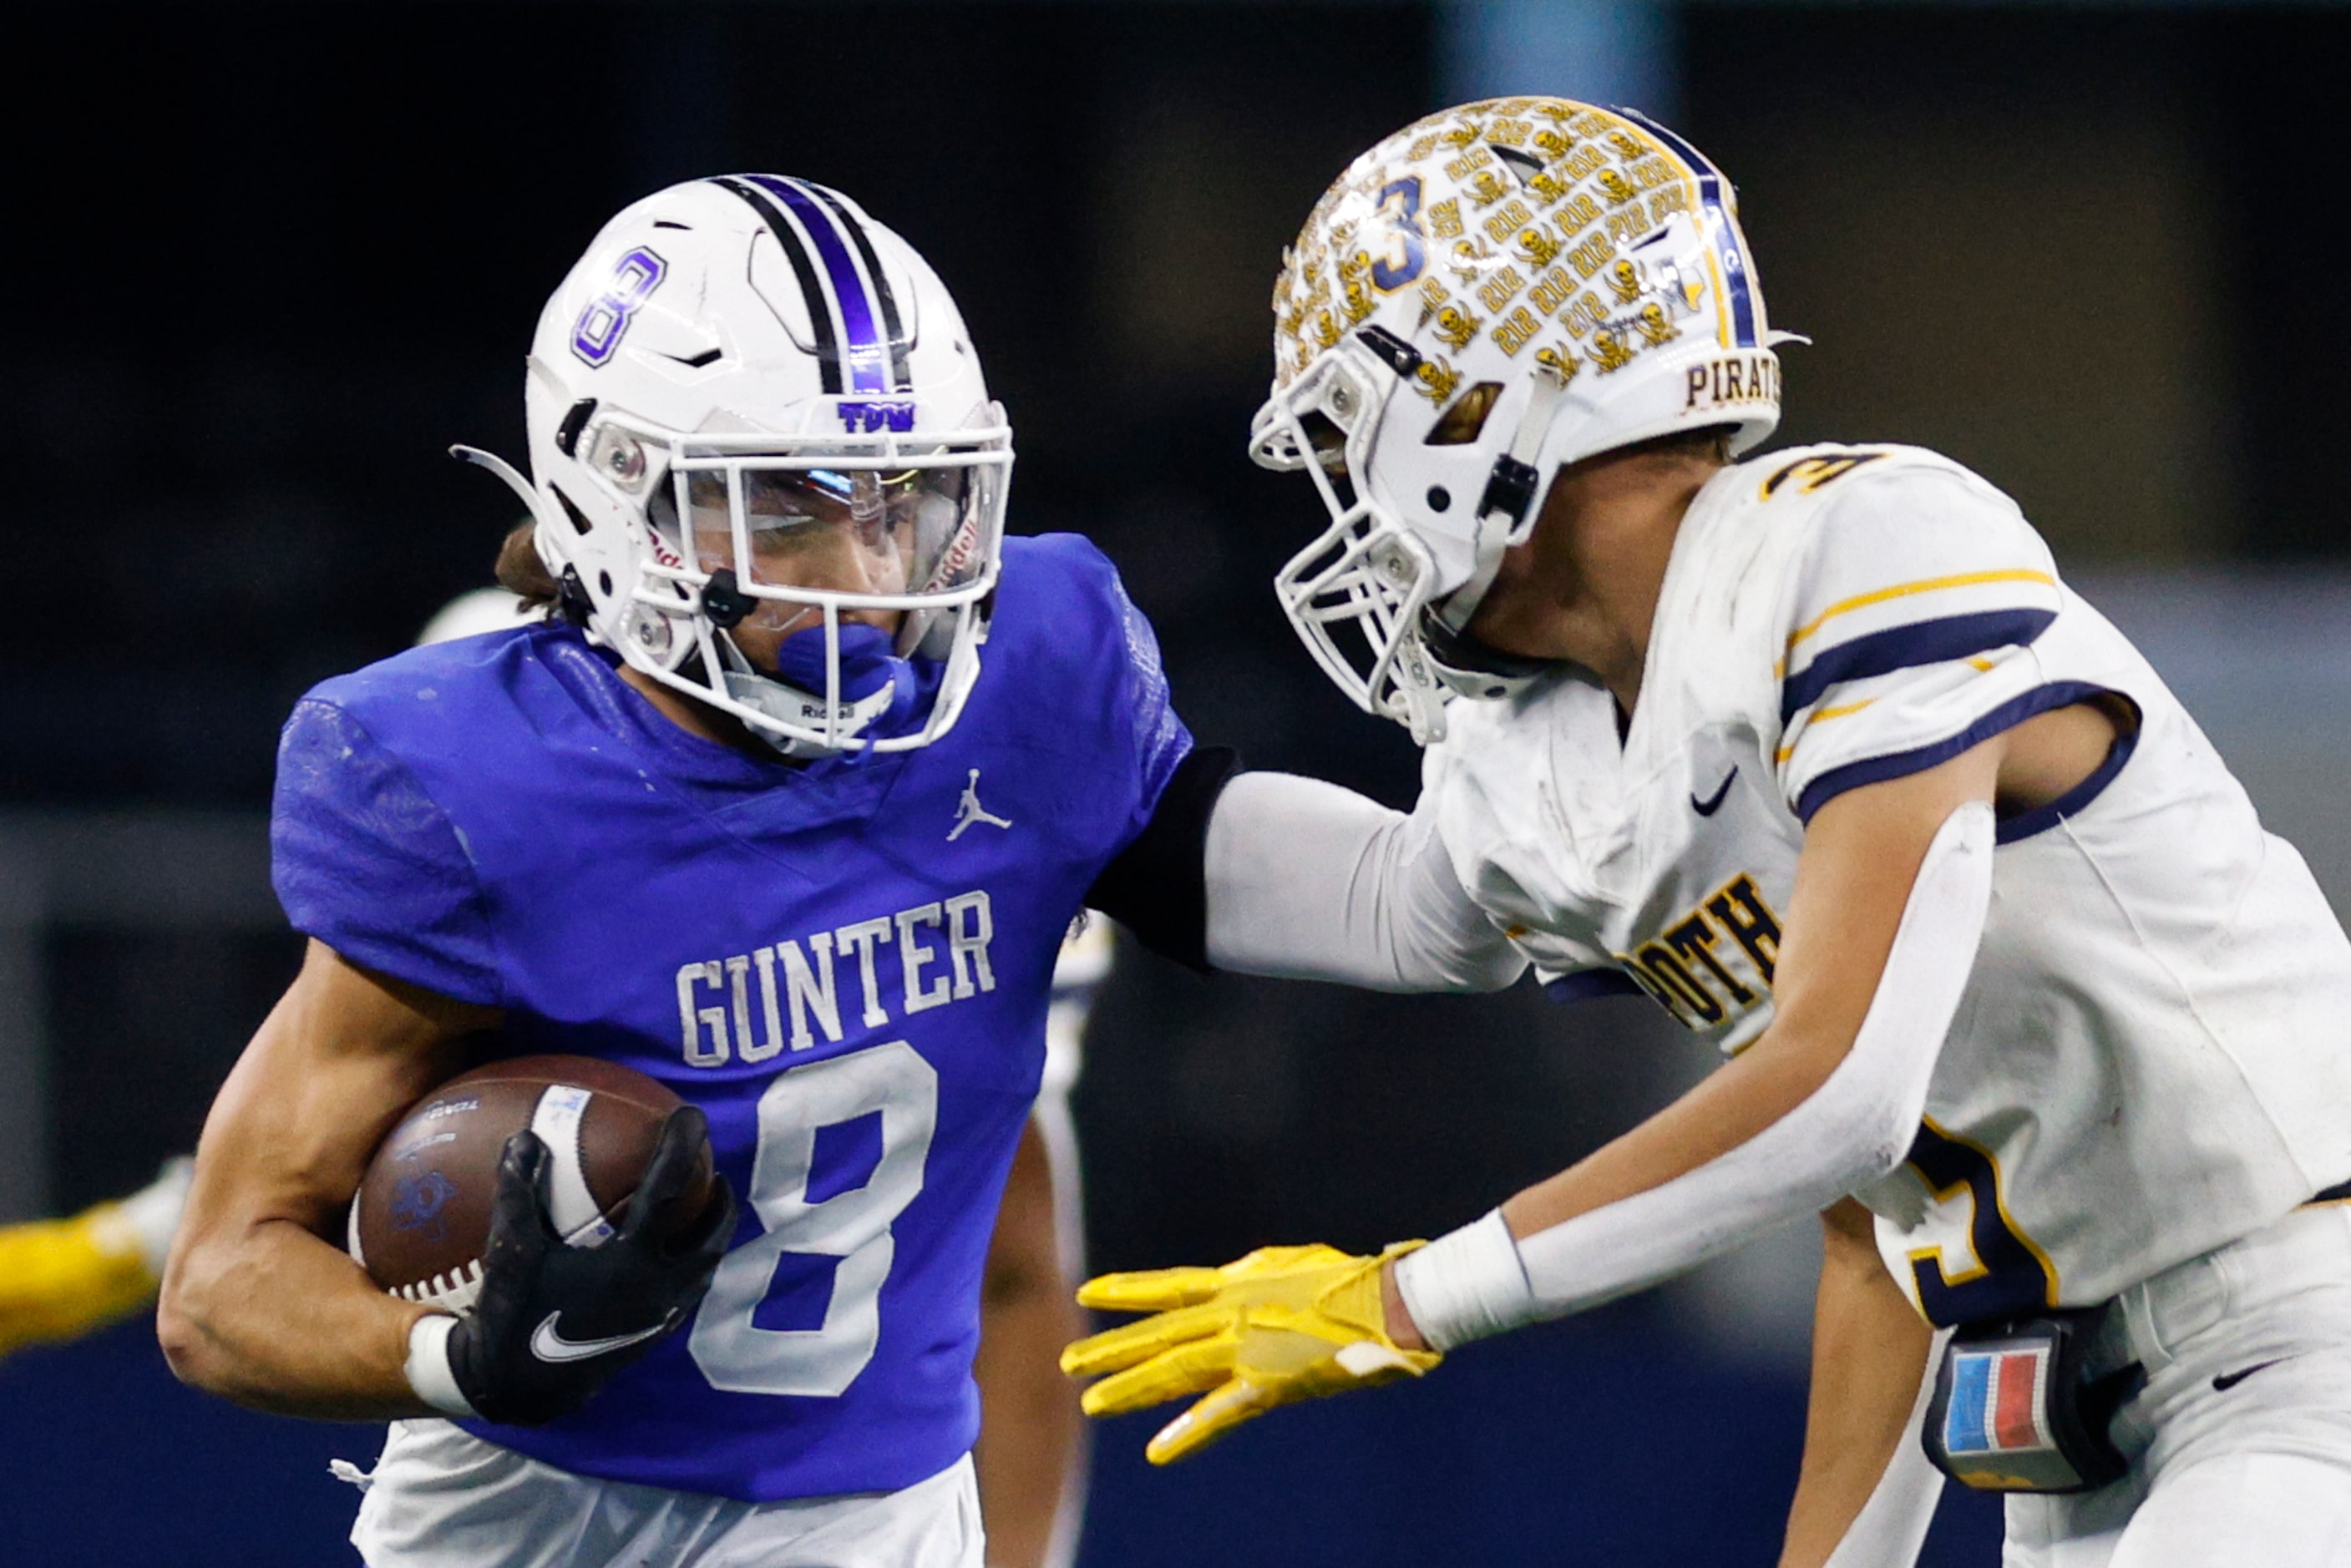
[
  {"x": 1328, "y": 440},
  {"x": 575, "y": 419},
  {"x": 570, "y": 509},
  {"x": 1466, "y": 420}
]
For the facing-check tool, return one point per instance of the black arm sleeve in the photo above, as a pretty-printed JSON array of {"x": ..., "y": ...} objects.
[{"x": 1158, "y": 887}]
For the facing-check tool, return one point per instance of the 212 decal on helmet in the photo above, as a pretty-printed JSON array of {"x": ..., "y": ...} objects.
[{"x": 1550, "y": 281}]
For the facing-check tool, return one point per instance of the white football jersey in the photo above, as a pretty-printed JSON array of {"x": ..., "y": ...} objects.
[{"x": 2153, "y": 1054}]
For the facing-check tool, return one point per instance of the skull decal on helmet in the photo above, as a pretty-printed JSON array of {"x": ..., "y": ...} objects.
[{"x": 1550, "y": 281}]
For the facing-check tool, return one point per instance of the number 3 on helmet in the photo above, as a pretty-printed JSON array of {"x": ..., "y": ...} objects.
[
  {"x": 744, "y": 382},
  {"x": 1484, "y": 297}
]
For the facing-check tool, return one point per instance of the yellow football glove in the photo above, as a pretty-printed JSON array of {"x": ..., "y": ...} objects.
[
  {"x": 62, "y": 1277},
  {"x": 1282, "y": 1325},
  {"x": 59, "y": 1279}
]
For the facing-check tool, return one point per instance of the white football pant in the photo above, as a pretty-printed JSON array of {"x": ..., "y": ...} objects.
[
  {"x": 440, "y": 1498},
  {"x": 2254, "y": 1472}
]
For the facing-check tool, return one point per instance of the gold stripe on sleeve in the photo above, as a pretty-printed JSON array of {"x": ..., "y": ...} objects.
[
  {"x": 1822, "y": 716},
  {"x": 1903, "y": 590}
]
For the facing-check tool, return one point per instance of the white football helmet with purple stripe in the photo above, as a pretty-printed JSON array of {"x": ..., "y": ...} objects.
[
  {"x": 751, "y": 406},
  {"x": 1484, "y": 297}
]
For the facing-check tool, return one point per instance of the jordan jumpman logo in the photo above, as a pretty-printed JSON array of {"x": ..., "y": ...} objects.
[{"x": 970, "y": 812}]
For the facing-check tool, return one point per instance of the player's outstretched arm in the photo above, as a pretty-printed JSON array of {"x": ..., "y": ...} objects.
[
  {"x": 1889, "y": 901},
  {"x": 1867, "y": 1493},
  {"x": 1286, "y": 1324},
  {"x": 1890, "y": 894},
  {"x": 1307, "y": 880},
  {"x": 259, "y": 1304},
  {"x": 1764, "y": 1139}
]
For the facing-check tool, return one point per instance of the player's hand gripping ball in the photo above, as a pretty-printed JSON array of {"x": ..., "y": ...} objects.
[
  {"x": 564, "y": 1209},
  {"x": 1282, "y": 1325}
]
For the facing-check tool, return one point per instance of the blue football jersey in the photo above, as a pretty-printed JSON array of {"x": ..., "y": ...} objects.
[{"x": 846, "y": 965}]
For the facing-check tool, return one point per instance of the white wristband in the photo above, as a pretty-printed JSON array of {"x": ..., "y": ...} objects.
[
  {"x": 1468, "y": 1284},
  {"x": 428, "y": 1368}
]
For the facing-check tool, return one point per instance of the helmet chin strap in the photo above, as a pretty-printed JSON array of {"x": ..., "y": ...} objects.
[
  {"x": 1454, "y": 611},
  {"x": 1470, "y": 667},
  {"x": 1506, "y": 511},
  {"x": 877, "y": 687}
]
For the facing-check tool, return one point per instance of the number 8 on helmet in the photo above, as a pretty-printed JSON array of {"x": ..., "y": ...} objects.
[{"x": 769, "y": 474}]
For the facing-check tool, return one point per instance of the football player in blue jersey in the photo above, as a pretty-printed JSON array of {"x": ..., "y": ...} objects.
[
  {"x": 744, "y": 813},
  {"x": 63, "y": 1279}
]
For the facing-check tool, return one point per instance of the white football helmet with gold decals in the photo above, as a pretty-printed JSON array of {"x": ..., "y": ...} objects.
[{"x": 1486, "y": 295}]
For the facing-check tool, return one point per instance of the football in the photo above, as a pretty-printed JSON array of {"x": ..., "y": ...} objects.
[{"x": 422, "y": 1214}]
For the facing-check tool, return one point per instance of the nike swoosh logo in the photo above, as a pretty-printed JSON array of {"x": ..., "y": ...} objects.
[
  {"x": 1713, "y": 803},
  {"x": 2228, "y": 1380},
  {"x": 549, "y": 1345}
]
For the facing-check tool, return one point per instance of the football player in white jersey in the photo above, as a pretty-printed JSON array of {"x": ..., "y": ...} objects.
[{"x": 1819, "y": 751}]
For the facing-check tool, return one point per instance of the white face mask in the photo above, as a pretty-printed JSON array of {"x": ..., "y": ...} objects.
[{"x": 820, "y": 578}]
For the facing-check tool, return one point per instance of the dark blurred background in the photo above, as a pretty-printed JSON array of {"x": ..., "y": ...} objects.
[{"x": 270, "y": 261}]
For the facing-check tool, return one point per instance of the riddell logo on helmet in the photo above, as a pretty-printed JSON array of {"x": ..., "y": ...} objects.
[
  {"x": 1734, "y": 379},
  {"x": 961, "y": 551},
  {"x": 865, "y": 419}
]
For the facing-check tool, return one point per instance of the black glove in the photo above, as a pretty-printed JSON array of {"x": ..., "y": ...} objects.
[{"x": 554, "y": 1321}]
